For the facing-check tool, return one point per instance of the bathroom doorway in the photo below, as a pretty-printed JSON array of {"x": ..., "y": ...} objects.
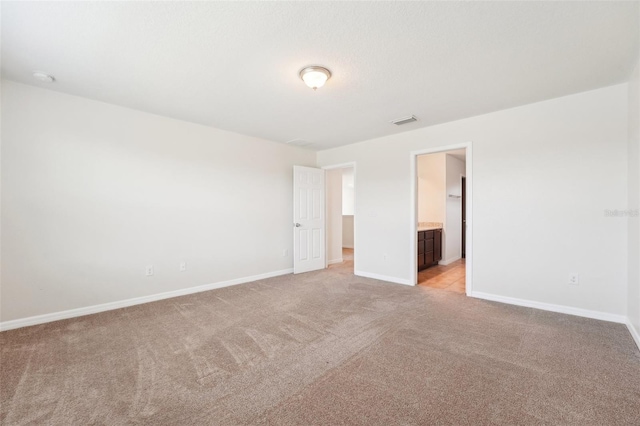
[{"x": 441, "y": 232}]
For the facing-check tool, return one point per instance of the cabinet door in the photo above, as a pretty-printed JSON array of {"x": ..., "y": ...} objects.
[
  {"x": 421, "y": 263},
  {"x": 428, "y": 245},
  {"x": 421, "y": 248},
  {"x": 437, "y": 245},
  {"x": 428, "y": 258}
]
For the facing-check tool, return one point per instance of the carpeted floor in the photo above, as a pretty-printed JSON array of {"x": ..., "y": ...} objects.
[{"x": 321, "y": 348}]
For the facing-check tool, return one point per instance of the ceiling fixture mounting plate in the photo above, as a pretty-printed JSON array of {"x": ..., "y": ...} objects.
[{"x": 404, "y": 120}]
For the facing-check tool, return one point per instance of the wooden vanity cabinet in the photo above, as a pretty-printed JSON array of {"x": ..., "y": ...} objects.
[
  {"x": 437, "y": 245},
  {"x": 429, "y": 248},
  {"x": 421, "y": 249}
]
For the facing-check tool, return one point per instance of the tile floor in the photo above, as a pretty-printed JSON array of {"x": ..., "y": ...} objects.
[{"x": 450, "y": 277}]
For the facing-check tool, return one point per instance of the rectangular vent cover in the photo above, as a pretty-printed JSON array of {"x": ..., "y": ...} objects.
[
  {"x": 404, "y": 120},
  {"x": 299, "y": 142}
]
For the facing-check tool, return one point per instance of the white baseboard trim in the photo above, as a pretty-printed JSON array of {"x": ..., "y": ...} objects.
[
  {"x": 604, "y": 316},
  {"x": 78, "y": 312},
  {"x": 634, "y": 333},
  {"x": 382, "y": 277},
  {"x": 331, "y": 262},
  {"x": 449, "y": 261}
]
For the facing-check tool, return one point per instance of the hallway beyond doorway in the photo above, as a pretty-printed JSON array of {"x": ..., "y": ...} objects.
[{"x": 347, "y": 260}]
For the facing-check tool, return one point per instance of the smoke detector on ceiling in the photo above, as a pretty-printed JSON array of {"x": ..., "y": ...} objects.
[{"x": 404, "y": 120}]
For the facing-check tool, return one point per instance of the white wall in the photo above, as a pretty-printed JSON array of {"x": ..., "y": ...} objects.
[
  {"x": 348, "y": 203},
  {"x": 543, "y": 175},
  {"x": 347, "y": 231},
  {"x": 334, "y": 215},
  {"x": 431, "y": 171},
  {"x": 452, "y": 244},
  {"x": 92, "y": 193},
  {"x": 634, "y": 202},
  {"x": 348, "y": 191}
]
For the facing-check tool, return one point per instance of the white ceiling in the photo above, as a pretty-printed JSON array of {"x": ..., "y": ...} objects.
[{"x": 235, "y": 65}]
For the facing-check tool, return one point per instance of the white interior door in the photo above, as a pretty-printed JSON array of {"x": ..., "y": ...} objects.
[{"x": 308, "y": 219}]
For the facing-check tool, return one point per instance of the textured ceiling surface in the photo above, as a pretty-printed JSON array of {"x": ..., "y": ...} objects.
[{"x": 235, "y": 65}]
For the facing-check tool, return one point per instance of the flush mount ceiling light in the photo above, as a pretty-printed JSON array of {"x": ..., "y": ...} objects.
[
  {"x": 315, "y": 76},
  {"x": 44, "y": 77}
]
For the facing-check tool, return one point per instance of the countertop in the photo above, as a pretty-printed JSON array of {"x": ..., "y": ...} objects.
[{"x": 428, "y": 228}]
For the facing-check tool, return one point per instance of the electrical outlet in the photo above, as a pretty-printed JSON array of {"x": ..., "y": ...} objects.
[
  {"x": 285, "y": 253},
  {"x": 183, "y": 266},
  {"x": 149, "y": 270},
  {"x": 574, "y": 279}
]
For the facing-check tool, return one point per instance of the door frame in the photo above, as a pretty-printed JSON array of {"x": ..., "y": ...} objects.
[
  {"x": 348, "y": 165},
  {"x": 413, "y": 223},
  {"x": 463, "y": 199}
]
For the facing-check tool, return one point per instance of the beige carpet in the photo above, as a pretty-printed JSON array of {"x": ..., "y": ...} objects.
[{"x": 321, "y": 348}]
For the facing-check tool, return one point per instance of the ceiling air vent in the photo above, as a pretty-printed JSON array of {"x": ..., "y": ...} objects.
[
  {"x": 404, "y": 120},
  {"x": 299, "y": 142}
]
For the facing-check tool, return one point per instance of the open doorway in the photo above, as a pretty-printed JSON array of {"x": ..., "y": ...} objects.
[
  {"x": 340, "y": 202},
  {"x": 441, "y": 207}
]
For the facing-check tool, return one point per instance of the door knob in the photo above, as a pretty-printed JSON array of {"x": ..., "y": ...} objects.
[{"x": 298, "y": 225}]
